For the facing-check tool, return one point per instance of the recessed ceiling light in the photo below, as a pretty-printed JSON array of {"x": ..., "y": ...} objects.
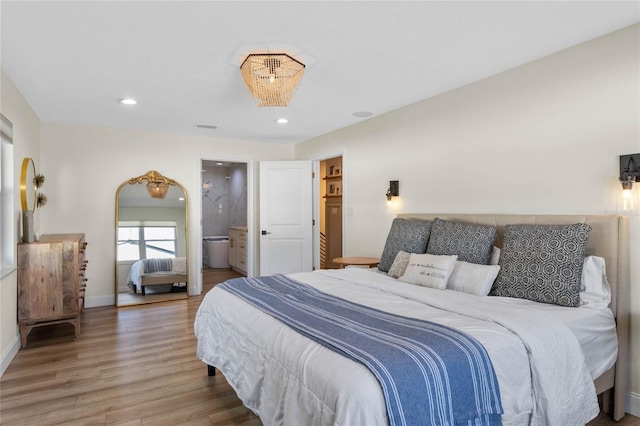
[
  {"x": 128, "y": 101},
  {"x": 219, "y": 164},
  {"x": 362, "y": 114},
  {"x": 282, "y": 121}
]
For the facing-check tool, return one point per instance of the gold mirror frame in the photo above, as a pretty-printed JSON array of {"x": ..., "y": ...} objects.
[
  {"x": 153, "y": 180},
  {"x": 27, "y": 181}
]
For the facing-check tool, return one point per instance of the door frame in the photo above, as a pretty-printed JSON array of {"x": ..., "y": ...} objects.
[
  {"x": 197, "y": 204},
  {"x": 315, "y": 167}
]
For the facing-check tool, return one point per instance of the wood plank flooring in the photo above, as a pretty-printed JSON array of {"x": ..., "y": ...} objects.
[{"x": 130, "y": 366}]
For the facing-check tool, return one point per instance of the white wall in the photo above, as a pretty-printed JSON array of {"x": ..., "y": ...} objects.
[
  {"x": 542, "y": 138},
  {"x": 84, "y": 165},
  {"x": 26, "y": 143}
]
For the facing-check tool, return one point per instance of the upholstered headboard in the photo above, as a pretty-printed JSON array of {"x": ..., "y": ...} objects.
[{"x": 608, "y": 238}]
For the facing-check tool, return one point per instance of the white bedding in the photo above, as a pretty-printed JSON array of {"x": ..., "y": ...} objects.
[
  {"x": 595, "y": 330},
  {"x": 135, "y": 274},
  {"x": 286, "y": 378}
]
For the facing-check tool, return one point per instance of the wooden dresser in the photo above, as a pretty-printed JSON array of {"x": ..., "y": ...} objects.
[{"x": 51, "y": 282}]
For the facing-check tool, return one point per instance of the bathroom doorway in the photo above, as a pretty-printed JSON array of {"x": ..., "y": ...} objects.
[{"x": 224, "y": 217}]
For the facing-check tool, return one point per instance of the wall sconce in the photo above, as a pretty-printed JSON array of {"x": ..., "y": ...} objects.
[
  {"x": 629, "y": 173},
  {"x": 393, "y": 191}
]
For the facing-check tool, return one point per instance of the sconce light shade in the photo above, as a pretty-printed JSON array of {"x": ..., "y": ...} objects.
[
  {"x": 394, "y": 189},
  {"x": 629, "y": 174}
]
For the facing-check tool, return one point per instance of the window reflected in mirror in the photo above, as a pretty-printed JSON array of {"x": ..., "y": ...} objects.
[{"x": 152, "y": 240}]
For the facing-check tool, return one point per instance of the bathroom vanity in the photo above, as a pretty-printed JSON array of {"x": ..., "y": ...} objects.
[{"x": 238, "y": 248}]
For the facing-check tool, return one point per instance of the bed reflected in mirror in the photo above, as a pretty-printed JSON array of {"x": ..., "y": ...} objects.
[{"x": 151, "y": 240}]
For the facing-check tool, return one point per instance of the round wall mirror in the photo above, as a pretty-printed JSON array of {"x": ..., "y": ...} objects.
[
  {"x": 151, "y": 240},
  {"x": 28, "y": 189}
]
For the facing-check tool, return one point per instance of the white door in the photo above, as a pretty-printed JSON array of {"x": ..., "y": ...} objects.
[{"x": 286, "y": 243}]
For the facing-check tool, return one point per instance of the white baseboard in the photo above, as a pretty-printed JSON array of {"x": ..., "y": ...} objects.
[
  {"x": 9, "y": 354},
  {"x": 95, "y": 301},
  {"x": 633, "y": 404}
]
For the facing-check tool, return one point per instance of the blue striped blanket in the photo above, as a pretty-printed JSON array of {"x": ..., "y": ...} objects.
[{"x": 430, "y": 374}]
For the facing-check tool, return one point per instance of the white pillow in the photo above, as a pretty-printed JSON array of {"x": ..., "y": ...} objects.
[
  {"x": 399, "y": 264},
  {"x": 594, "y": 287},
  {"x": 429, "y": 270},
  {"x": 473, "y": 278},
  {"x": 495, "y": 256},
  {"x": 179, "y": 265}
]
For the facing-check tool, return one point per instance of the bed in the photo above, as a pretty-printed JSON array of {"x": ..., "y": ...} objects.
[
  {"x": 162, "y": 274},
  {"x": 286, "y": 377}
]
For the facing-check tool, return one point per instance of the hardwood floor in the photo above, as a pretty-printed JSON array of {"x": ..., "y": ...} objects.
[{"x": 130, "y": 366}]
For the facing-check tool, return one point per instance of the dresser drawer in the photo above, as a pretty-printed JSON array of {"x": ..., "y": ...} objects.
[{"x": 242, "y": 262}]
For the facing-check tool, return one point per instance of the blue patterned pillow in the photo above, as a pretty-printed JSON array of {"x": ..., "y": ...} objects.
[
  {"x": 542, "y": 263},
  {"x": 405, "y": 235},
  {"x": 471, "y": 243}
]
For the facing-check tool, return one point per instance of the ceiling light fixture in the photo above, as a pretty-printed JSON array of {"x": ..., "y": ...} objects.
[
  {"x": 157, "y": 185},
  {"x": 282, "y": 121},
  {"x": 157, "y": 189},
  {"x": 272, "y": 78},
  {"x": 128, "y": 101}
]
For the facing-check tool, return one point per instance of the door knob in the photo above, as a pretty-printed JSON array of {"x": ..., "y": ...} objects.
[{"x": 265, "y": 232}]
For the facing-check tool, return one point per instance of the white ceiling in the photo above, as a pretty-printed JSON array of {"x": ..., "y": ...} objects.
[{"x": 73, "y": 60}]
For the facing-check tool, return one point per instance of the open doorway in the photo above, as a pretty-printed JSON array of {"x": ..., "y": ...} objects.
[
  {"x": 224, "y": 215},
  {"x": 331, "y": 191}
]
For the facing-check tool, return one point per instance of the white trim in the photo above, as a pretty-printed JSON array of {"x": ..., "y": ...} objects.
[
  {"x": 6, "y": 129},
  {"x": 315, "y": 165},
  {"x": 7, "y": 184},
  {"x": 9, "y": 354},
  {"x": 6, "y": 271},
  {"x": 633, "y": 404},
  {"x": 95, "y": 301}
]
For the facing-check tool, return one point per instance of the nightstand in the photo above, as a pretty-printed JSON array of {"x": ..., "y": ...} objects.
[{"x": 370, "y": 262}]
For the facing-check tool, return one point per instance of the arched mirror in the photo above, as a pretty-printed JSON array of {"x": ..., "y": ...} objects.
[{"x": 151, "y": 240}]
